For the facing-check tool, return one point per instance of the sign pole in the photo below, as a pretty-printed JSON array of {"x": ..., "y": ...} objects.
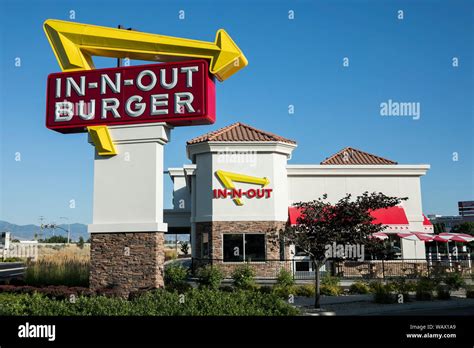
[
  {"x": 128, "y": 113},
  {"x": 127, "y": 233}
]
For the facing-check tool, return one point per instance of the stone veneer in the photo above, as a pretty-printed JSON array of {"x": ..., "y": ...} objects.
[
  {"x": 216, "y": 230},
  {"x": 129, "y": 261}
]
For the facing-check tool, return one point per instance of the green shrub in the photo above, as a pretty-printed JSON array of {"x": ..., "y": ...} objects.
[
  {"x": 470, "y": 291},
  {"x": 329, "y": 280},
  {"x": 306, "y": 290},
  {"x": 285, "y": 278},
  {"x": 442, "y": 292},
  {"x": 210, "y": 276},
  {"x": 185, "y": 248},
  {"x": 383, "y": 293},
  {"x": 454, "y": 281},
  {"x": 374, "y": 285},
  {"x": 11, "y": 259},
  {"x": 330, "y": 290},
  {"x": 284, "y": 291},
  {"x": 197, "y": 302},
  {"x": 244, "y": 277},
  {"x": 402, "y": 286},
  {"x": 359, "y": 287},
  {"x": 266, "y": 289},
  {"x": 424, "y": 289},
  {"x": 330, "y": 286},
  {"x": 226, "y": 288},
  {"x": 175, "y": 278}
]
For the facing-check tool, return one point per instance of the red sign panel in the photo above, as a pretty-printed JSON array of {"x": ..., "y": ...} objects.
[{"x": 180, "y": 94}]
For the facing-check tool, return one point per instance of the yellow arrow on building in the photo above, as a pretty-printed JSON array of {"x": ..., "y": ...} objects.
[
  {"x": 228, "y": 179},
  {"x": 74, "y": 44}
]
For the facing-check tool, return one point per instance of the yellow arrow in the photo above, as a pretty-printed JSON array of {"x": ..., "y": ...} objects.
[
  {"x": 74, "y": 44},
  {"x": 228, "y": 179},
  {"x": 103, "y": 142}
]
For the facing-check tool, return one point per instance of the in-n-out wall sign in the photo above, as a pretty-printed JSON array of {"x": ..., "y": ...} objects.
[
  {"x": 228, "y": 178},
  {"x": 179, "y": 93}
]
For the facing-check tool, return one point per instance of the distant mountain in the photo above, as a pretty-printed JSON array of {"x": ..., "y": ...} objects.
[{"x": 27, "y": 232}]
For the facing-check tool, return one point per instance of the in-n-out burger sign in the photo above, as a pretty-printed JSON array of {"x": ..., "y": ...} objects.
[
  {"x": 230, "y": 191},
  {"x": 181, "y": 93},
  {"x": 238, "y": 193}
]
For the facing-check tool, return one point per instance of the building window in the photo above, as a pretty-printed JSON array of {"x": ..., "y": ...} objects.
[
  {"x": 254, "y": 247},
  {"x": 240, "y": 247}
]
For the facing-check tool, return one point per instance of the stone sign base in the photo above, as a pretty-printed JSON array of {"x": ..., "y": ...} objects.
[{"x": 127, "y": 261}]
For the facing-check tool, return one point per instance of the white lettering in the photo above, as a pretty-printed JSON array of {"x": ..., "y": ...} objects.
[
  {"x": 158, "y": 100},
  {"x": 90, "y": 113},
  {"x": 179, "y": 102},
  {"x": 113, "y": 107},
  {"x": 174, "y": 81},
  {"x": 106, "y": 81},
  {"x": 136, "y": 112},
  {"x": 37, "y": 331},
  {"x": 63, "y": 111},
  {"x": 58, "y": 88},
  {"x": 189, "y": 74},
  {"x": 80, "y": 90},
  {"x": 141, "y": 75}
]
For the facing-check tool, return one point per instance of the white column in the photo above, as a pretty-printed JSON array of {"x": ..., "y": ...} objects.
[{"x": 128, "y": 187}]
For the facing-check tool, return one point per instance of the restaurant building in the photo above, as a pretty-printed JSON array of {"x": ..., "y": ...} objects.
[{"x": 238, "y": 193}]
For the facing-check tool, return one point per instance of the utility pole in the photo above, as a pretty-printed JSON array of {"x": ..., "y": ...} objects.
[
  {"x": 68, "y": 228},
  {"x": 41, "y": 219}
]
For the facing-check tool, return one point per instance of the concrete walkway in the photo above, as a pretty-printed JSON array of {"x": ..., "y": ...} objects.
[{"x": 364, "y": 305}]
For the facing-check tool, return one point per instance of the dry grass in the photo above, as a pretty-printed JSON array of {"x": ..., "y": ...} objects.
[
  {"x": 59, "y": 265},
  {"x": 62, "y": 253},
  {"x": 170, "y": 254}
]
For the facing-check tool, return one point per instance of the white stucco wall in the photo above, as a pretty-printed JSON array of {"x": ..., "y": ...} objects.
[
  {"x": 128, "y": 187},
  {"x": 312, "y": 181},
  {"x": 181, "y": 191},
  {"x": 268, "y": 160},
  {"x": 308, "y": 182}
]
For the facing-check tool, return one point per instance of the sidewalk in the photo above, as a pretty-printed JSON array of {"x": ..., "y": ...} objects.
[{"x": 364, "y": 305}]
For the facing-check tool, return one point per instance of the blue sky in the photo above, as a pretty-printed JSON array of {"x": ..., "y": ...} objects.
[{"x": 297, "y": 62}]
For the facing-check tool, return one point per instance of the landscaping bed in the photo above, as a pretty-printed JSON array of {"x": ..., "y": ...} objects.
[{"x": 194, "y": 302}]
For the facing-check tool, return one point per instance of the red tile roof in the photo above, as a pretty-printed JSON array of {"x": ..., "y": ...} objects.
[
  {"x": 239, "y": 132},
  {"x": 350, "y": 155}
]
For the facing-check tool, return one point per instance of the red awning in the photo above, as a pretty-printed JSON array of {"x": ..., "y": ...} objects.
[
  {"x": 385, "y": 216},
  {"x": 426, "y": 221},
  {"x": 293, "y": 214},
  {"x": 390, "y": 216},
  {"x": 417, "y": 236},
  {"x": 453, "y": 237}
]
